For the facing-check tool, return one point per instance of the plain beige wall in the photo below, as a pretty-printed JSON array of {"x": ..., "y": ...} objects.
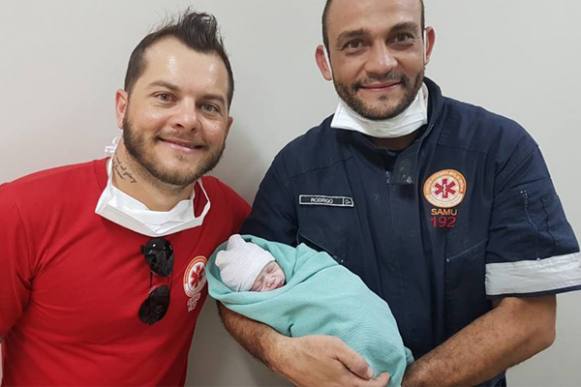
[{"x": 62, "y": 60}]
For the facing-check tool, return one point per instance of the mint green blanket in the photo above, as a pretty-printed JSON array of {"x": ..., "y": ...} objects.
[{"x": 320, "y": 297}]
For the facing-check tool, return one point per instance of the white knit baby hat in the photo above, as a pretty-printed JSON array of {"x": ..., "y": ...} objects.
[{"x": 241, "y": 263}]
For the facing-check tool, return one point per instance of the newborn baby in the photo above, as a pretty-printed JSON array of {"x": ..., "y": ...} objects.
[
  {"x": 271, "y": 277},
  {"x": 246, "y": 267},
  {"x": 299, "y": 291}
]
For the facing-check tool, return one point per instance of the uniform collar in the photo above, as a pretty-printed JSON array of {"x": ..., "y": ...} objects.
[{"x": 405, "y": 170}]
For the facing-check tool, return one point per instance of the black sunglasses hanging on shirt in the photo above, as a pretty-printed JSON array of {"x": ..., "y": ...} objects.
[{"x": 159, "y": 256}]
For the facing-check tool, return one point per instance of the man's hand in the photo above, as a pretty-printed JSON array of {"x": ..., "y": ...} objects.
[
  {"x": 309, "y": 361},
  {"x": 321, "y": 361}
]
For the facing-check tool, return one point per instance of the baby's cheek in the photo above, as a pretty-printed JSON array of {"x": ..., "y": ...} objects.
[{"x": 256, "y": 285}]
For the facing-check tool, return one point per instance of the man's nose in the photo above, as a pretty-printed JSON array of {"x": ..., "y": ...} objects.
[
  {"x": 380, "y": 60},
  {"x": 186, "y": 116}
]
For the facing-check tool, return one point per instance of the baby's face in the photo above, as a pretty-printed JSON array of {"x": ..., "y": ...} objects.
[{"x": 271, "y": 277}]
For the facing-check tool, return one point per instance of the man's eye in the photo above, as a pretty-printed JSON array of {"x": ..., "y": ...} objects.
[
  {"x": 211, "y": 108},
  {"x": 165, "y": 97},
  {"x": 403, "y": 38},
  {"x": 352, "y": 45}
]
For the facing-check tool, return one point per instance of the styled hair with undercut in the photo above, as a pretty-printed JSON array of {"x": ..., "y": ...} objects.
[
  {"x": 326, "y": 12},
  {"x": 199, "y": 31}
]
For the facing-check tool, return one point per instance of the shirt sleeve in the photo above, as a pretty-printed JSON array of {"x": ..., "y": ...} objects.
[
  {"x": 532, "y": 249},
  {"x": 273, "y": 215},
  {"x": 15, "y": 272}
]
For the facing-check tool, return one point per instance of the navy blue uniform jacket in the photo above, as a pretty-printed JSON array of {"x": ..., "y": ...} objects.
[{"x": 468, "y": 212}]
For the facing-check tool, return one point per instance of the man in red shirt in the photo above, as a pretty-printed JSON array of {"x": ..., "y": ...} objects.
[{"x": 102, "y": 274}]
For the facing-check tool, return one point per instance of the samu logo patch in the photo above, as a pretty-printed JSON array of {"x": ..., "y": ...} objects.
[
  {"x": 194, "y": 280},
  {"x": 445, "y": 189}
]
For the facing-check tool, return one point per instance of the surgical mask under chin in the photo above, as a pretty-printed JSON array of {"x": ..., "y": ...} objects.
[
  {"x": 408, "y": 121},
  {"x": 122, "y": 209}
]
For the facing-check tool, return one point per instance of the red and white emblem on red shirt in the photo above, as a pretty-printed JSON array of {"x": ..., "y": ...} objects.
[
  {"x": 445, "y": 189},
  {"x": 194, "y": 280}
]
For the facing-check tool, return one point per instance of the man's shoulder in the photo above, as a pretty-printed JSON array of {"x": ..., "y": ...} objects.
[
  {"x": 478, "y": 114},
  {"x": 51, "y": 183},
  {"x": 224, "y": 195},
  {"x": 45, "y": 199},
  {"x": 214, "y": 185},
  {"x": 473, "y": 127},
  {"x": 317, "y": 148},
  {"x": 457, "y": 119}
]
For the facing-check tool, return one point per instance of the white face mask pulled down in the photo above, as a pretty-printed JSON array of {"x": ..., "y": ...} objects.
[
  {"x": 407, "y": 122},
  {"x": 124, "y": 210}
]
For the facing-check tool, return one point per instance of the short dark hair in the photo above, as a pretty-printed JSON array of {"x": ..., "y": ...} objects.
[
  {"x": 326, "y": 12},
  {"x": 198, "y": 31}
]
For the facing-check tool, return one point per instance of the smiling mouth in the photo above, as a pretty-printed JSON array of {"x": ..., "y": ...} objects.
[
  {"x": 380, "y": 86},
  {"x": 181, "y": 144}
]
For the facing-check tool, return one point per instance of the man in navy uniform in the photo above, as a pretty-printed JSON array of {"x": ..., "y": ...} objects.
[{"x": 445, "y": 210}]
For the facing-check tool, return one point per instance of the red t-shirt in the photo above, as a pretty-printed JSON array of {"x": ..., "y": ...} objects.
[{"x": 72, "y": 282}]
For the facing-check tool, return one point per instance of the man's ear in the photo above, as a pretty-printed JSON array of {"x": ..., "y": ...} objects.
[
  {"x": 429, "y": 42},
  {"x": 121, "y": 100},
  {"x": 323, "y": 63},
  {"x": 229, "y": 125}
]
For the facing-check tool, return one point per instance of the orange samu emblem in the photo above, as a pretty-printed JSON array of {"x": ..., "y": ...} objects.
[{"x": 445, "y": 189}]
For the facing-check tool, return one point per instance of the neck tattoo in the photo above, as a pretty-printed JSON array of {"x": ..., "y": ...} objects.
[{"x": 122, "y": 171}]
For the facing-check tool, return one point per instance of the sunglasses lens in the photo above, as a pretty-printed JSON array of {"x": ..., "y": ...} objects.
[
  {"x": 159, "y": 255},
  {"x": 154, "y": 308}
]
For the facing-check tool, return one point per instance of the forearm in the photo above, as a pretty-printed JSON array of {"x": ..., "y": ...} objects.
[
  {"x": 515, "y": 330},
  {"x": 305, "y": 361},
  {"x": 257, "y": 338}
]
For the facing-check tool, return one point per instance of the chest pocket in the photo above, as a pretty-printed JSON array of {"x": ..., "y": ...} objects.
[
  {"x": 465, "y": 293},
  {"x": 329, "y": 228}
]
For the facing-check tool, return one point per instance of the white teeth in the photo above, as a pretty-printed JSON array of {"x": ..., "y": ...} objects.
[{"x": 188, "y": 145}]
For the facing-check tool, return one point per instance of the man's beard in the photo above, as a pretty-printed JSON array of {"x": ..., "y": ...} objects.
[
  {"x": 136, "y": 147},
  {"x": 349, "y": 95}
]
